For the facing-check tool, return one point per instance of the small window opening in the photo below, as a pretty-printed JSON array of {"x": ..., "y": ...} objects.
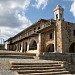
[
  {"x": 38, "y": 27},
  {"x": 56, "y": 16},
  {"x": 74, "y": 32},
  {"x": 50, "y": 35},
  {"x": 34, "y": 29}
]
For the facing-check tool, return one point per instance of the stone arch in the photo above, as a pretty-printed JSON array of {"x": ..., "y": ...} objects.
[
  {"x": 33, "y": 45},
  {"x": 50, "y": 48},
  {"x": 72, "y": 48}
]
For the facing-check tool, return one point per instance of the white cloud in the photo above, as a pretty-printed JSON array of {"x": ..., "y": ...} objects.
[
  {"x": 12, "y": 17},
  {"x": 72, "y": 9},
  {"x": 40, "y": 4}
]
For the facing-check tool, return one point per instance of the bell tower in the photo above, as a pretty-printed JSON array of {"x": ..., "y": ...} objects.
[{"x": 58, "y": 13}]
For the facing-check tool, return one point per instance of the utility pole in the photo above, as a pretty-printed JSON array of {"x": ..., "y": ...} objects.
[{"x": 0, "y": 37}]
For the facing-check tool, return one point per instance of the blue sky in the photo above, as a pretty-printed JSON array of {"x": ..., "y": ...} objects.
[
  {"x": 47, "y": 13},
  {"x": 16, "y": 15}
]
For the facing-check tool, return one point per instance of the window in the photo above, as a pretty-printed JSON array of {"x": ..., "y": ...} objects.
[
  {"x": 50, "y": 35},
  {"x": 56, "y": 16},
  {"x": 34, "y": 29},
  {"x": 38, "y": 27},
  {"x": 74, "y": 32}
]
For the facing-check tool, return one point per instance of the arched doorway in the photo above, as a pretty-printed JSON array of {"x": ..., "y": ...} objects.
[
  {"x": 33, "y": 45},
  {"x": 72, "y": 48},
  {"x": 51, "y": 48}
]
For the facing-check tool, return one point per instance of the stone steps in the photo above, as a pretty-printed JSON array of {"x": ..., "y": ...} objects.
[
  {"x": 16, "y": 55},
  {"x": 48, "y": 73},
  {"x": 40, "y": 65},
  {"x": 41, "y": 68},
  {"x": 39, "y": 71},
  {"x": 36, "y": 63},
  {"x": 25, "y": 64},
  {"x": 36, "y": 68},
  {"x": 43, "y": 74}
]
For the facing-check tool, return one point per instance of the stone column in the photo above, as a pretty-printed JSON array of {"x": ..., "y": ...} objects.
[
  {"x": 21, "y": 47},
  {"x": 17, "y": 48},
  {"x": 8, "y": 46},
  {"x": 39, "y": 45},
  {"x": 55, "y": 40},
  {"x": 28, "y": 46}
]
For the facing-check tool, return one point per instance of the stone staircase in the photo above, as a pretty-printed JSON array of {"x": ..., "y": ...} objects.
[
  {"x": 26, "y": 64},
  {"x": 39, "y": 68},
  {"x": 16, "y": 55}
]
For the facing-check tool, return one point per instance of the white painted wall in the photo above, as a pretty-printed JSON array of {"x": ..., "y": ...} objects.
[{"x": 6, "y": 43}]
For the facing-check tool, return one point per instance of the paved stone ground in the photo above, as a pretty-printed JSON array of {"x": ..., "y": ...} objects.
[
  {"x": 7, "y": 51},
  {"x": 4, "y": 69},
  {"x": 21, "y": 60},
  {"x": 26, "y": 60},
  {"x": 5, "y": 66}
]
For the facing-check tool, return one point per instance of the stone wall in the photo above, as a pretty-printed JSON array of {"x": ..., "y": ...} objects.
[
  {"x": 70, "y": 57},
  {"x": 46, "y": 41},
  {"x": 2, "y": 47},
  {"x": 23, "y": 44},
  {"x": 62, "y": 38},
  {"x": 67, "y": 35}
]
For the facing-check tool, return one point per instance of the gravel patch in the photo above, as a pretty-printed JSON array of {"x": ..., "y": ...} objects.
[{"x": 4, "y": 69}]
